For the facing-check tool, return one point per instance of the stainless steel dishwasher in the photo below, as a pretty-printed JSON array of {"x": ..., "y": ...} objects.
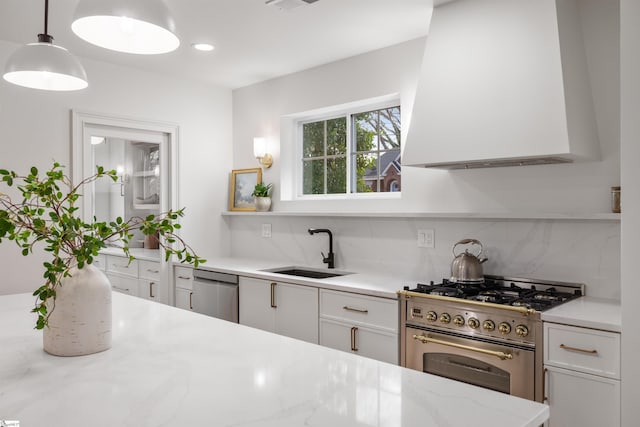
[{"x": 215, "y": 294}]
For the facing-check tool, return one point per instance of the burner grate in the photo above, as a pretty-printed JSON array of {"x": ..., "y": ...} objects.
[{"x": 537, "y": 295}]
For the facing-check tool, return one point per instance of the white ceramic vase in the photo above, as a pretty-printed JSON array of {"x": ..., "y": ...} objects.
[
  {"x": 263, "y": 204},
  {"x": 80, "y": 322}
]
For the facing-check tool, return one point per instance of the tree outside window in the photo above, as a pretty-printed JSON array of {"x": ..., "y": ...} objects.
[{"x": 373, "y": 149}]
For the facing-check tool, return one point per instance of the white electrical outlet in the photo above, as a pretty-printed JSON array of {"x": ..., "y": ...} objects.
[
  {"x": 426, "y": 238},
  {"x": 266, "y": 230}
]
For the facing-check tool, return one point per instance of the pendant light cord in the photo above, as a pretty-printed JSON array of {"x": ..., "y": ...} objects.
[
  {"x": 46, "y": 17},
  {"x": 45, "y": 38}
]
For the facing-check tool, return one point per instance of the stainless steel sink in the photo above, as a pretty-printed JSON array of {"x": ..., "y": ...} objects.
[{"x": 305, "y": 272}]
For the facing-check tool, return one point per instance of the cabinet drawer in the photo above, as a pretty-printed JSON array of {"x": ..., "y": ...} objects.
[
  {"x": 121, "y": 265},
  {"x": 149, "y": 270},
  {"x": 363, "y": 341},
  {"x": 581, "y": 349},
  {"x": 183, "y": 277},
  {"x": 100, "y": 262},
  {"x": 360, "y": 309},
  {"x": 125, "y": 285}
]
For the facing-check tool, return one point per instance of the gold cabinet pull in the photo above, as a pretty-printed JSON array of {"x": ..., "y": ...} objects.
[
  {"x": 499, "y": 354},
  {"x": 151, "y": 289},
  {"x": 184, "y": 277},
  {"x": 580, "y": 350},
  {"x": 190, "y": 300},
  {"x": 273, "y": 295},
  {"x": 153, "y": 271},
  {"x": 120, "y": 289},
  {"x": 354, "y": 344},
  {"x": 357, "y": 310}
]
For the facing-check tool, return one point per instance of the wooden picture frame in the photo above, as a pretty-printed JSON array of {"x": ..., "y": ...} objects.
[{"x": 243, "y": 181}]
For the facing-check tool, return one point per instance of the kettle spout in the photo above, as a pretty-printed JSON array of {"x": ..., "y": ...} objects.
[{"x": 483, "y": 259}]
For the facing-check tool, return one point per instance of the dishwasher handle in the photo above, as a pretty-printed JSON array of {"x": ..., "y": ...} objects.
[{"x": 214, "y": 276}]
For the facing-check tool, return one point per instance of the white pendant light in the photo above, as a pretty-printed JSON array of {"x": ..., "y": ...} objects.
[
  {"x": 141, "y": 26},
  {"x": 44, "y": 65}
]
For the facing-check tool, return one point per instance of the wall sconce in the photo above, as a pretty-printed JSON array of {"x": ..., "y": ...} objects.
[
  {"x": 123, "y": 178},
  {"x": 260, "y": 151}
]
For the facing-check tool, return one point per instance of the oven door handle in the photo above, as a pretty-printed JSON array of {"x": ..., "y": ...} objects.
[{"x": 499, "y": 354}]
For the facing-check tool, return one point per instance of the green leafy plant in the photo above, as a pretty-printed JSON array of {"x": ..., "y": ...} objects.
[
  {"x": 47, "y": 216},
  {"x": 261, "y": 190}
]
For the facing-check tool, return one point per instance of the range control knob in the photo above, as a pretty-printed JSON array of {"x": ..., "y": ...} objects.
[
  {"x": 504, "y": 328},
  {"x": 522, "y": 331},
  {"x": 489, "y": 325},
  {"x": 432, "y": 316},
  {"x": 458, "y": 320},
  {"x": 445, "y": 318},
  {"x": 473, "y": 323}
]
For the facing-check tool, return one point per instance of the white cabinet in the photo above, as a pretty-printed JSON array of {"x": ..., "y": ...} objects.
[
  {"x": 150, "y": 285},
  {"x": 100, "y": 262},
  {"x": 361, "y": 340},
  {"x": 578, "y": 399},
  {"x": 360, "y": 324},
  {"x": 283, "y": 308},
  {"x": 122, "y": 274},
  {"x": 123, "y": 284},
  {"x": 141, "y": 278},
  {"x": 183, "y": 283},
  {"x": 582, "y": 376}
]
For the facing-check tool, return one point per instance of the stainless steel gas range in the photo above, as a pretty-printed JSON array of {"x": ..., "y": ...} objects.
[{"x": 488, "y": 334}]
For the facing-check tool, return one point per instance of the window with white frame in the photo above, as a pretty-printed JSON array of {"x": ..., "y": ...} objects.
[{"x": 354, "y": 152}]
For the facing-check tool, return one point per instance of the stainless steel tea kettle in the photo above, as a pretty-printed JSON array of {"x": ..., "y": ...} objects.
[{"x": 467, "y": 267}]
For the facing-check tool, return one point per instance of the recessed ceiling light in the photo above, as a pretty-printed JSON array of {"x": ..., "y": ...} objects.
[{"x": 205, "y": 47}]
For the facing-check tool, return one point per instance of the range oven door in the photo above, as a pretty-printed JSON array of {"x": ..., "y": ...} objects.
[{"x": 493, "y": 365}]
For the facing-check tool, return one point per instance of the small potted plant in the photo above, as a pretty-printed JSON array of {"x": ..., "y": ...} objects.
[
  {"x": 261, "y": 194},
  {"x": 73, "y": 305}
]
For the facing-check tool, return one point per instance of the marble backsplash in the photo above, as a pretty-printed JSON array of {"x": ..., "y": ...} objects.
[{"x": 586, "y": 251}]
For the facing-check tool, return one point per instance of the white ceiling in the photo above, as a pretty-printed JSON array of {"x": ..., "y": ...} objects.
[{"x": 254, "y": 42}]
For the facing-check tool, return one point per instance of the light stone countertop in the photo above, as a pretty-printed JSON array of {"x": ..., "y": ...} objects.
[
  {"x": 588, "y": 312},
  {"x": 138, "y": 253},
  {"x": 173, "y": 367},
  {"x": 379, "y": 285}
]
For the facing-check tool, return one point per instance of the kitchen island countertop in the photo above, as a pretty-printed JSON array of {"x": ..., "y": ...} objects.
[{"x": 173, "y": 367}]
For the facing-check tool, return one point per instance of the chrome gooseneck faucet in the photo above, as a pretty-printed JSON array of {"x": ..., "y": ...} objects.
[{"x": 329, "y": 258}]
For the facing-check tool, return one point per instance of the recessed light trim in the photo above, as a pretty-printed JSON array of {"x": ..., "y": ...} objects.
[{"x": 204, "y": 47}]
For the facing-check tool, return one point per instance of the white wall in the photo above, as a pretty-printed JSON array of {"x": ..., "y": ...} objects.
[
  {"x": 554, "y": 188},
  {"x": 584, "y": 251},
  {"x": 35, "y": 130},
  {"x": 630, "y": 148}
]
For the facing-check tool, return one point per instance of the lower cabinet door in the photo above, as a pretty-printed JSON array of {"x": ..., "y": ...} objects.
[
  {"x": 153, "y": 290},
  {"x": 578, "y": 399},
  {"x": 125, "y": 285},
  {"x": 360, "y": 340},
  {"x": 256, "y": 302},
  {"x": 296, "y": 315},
  {"x": 183, "y": 299}
]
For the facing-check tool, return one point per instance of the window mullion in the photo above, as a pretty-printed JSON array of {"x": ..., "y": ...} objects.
[
  {"x": 378, "y": 152},
  {"x": 348, "y": 150},
  {"x": 326, "y": 171}
]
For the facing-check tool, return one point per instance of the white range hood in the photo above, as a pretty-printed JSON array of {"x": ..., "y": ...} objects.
[{"x": 503, "y": 83}]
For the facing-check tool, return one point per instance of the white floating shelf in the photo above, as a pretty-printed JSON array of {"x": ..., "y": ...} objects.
[{"x": 443, "y": 215}]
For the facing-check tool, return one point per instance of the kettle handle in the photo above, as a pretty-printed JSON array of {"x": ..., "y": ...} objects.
[{"x": 465, "y": 242}]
